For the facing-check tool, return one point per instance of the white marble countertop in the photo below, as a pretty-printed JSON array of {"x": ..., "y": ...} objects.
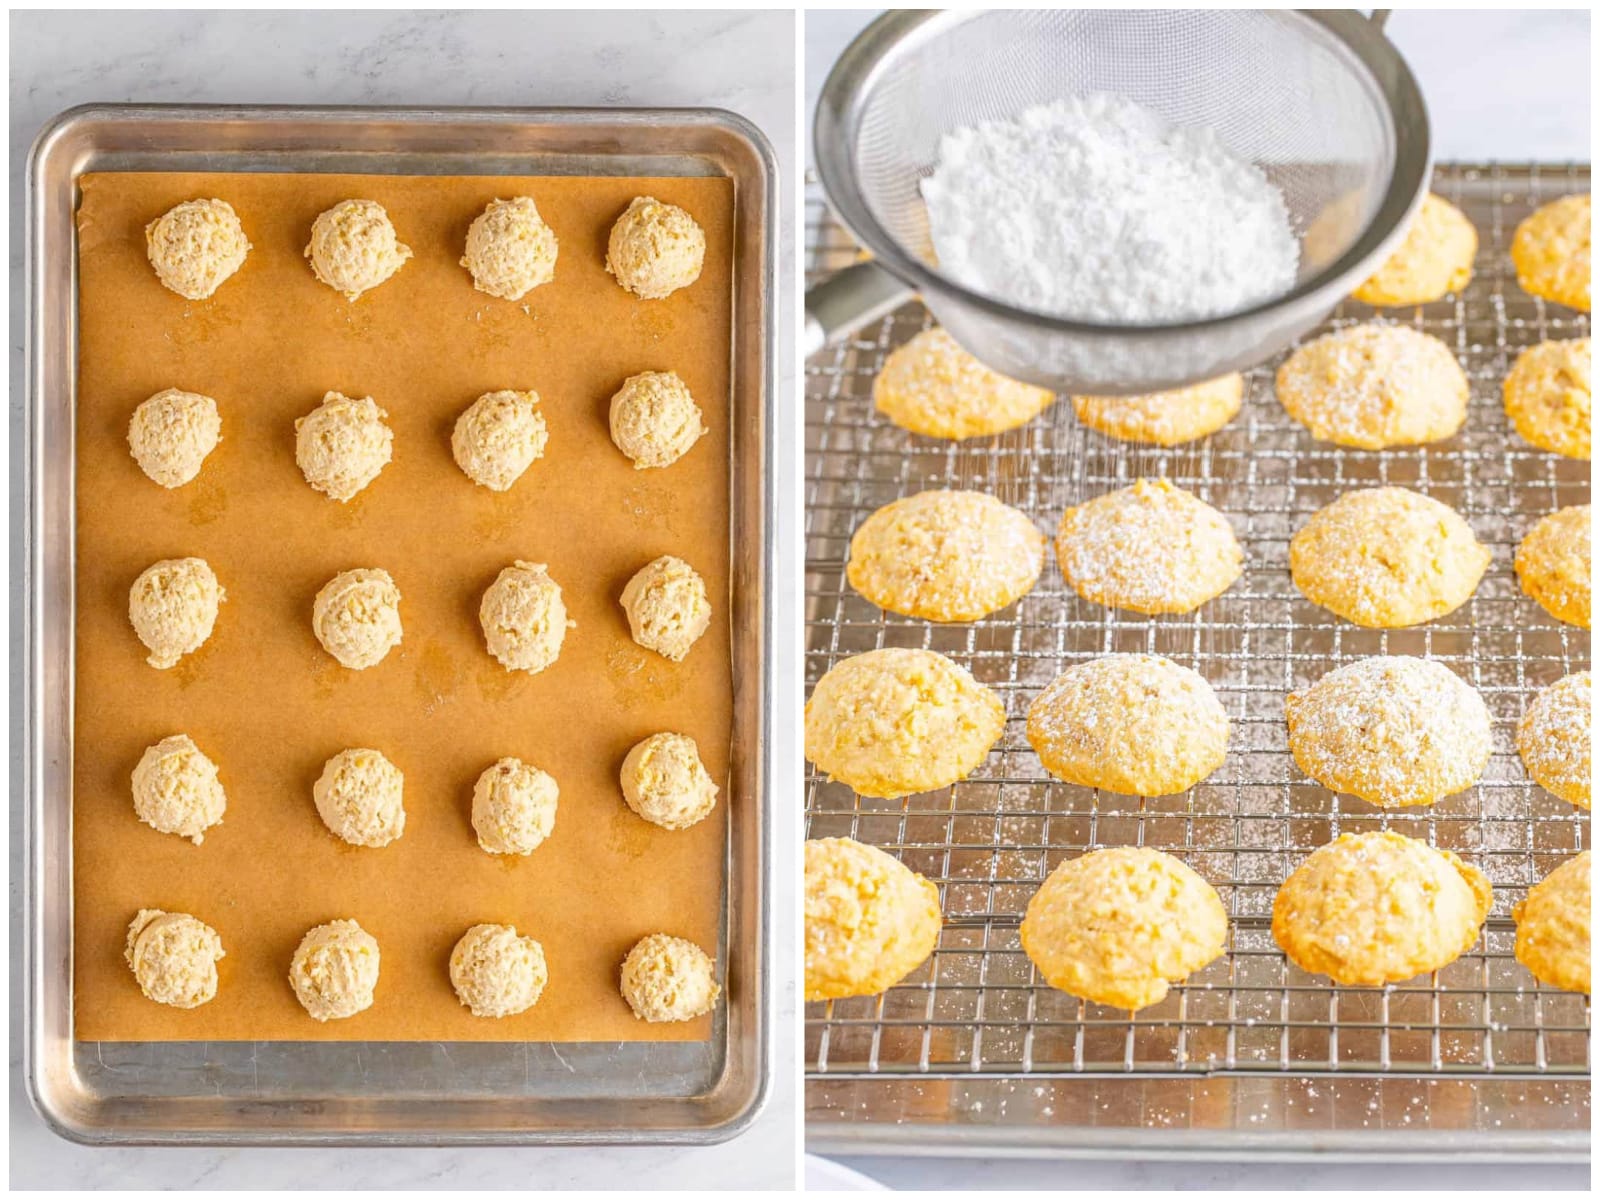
[{"x": 740, "y": 61}]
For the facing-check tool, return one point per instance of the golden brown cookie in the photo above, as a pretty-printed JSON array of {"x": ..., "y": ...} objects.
[
  {"x": 1551, "y": 252},
  {"x": 1553, "y": 564},
  {"x": 1553, "y": 739},
  {"x": 1553, "y": 927},
  {"x": 1434, "y": 259},
  {"x": 1548, "y": 399},
  {"x": 932, "y": 386},
  {"x": 870, "y": 919},
  {"x": 1165, "y": 418}
]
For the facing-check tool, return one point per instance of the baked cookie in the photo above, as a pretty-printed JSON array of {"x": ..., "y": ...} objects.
[
  {"x": 360, "y": 797},
  {"x": 1375, "y": 908},
  {"x": 1119, "y": 926},
  {"x": 173, "y": 608},
  {"x": 945, "y": 556},
  {"x": 496, "y": 973},
  {"x": 513, "y": 807},
  {"x": 354, "y": 247},
  {"x": 1386, "y": 558},
  {"x": 195, "y": 247},
  {"x": 933, "y": 387},
  {"x": 356, "y": 617},
  {"x": 499, "y": 438},
  {"x": 1135, "y": 724},
  {"x": 1553, "y": 564},
  {"x": 654, "y": 419},
  {"x": 510, "y": 250},
  {"x": 664, "y": 781},
  {"x": 890, "y": 723},
  {"x": 1373, "y": 386},
  {"x": 870, "y": 919},
  {"x": 1152, "y": 548},
  {"x": 1547, "y": 396},
  {"x": 1550, "y": 251},
  {"x": 1553, "y": 927},
  {"x": 669, "y": 979},
  {"x": 1165, "y": 418},
  {"x": 655, "y": 249},
  {"x": 174, "y": 957},
  {"x": 334, "y": 972},
  {"x": 667, "y": 607},
  {"x": 176, "y": 789},
  {"x": 171, "y": 433},
  {"x": 1434, "y": 259},
  {"x": 1553, "y": 739},
  {"x": 523, "y": 617},
  {"x": 342, "y": 444},
  {"x": 1391, "y": 730}
]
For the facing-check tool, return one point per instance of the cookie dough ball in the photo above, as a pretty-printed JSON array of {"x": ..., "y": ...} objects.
[
  {"x": 1550, "y": 251},
  {"x": 1151, "y": 548},
  {"x": 932, "y": 386},
  {"x": 499, "y": 438},
  {"x": 1553, "y": 564},
  {"x": 171, "y": 433},
  {"x": 870, "y": 919},
  {"x": 1135, "y": 724},
  {"x": 1393, "y": 731},
  {"x": 1374, "y": 386},
  {"x": 174, "y": 957},
  {"x": 1375, "y": 908},
  {"x": 334, "y": 971},
  {"x": 1119, "y": 926},
  {"x": 669, "y": 979},
  {"x": 1553, "y": 927},
  {"x": 664, "y": 781},
  {"x": 513, "y": 807},
  {"x": 360, "y": 797},
  {"x": 176, "y": 789},
  {"x": 667, "y": 607},
  {"x": 1553, "y": 739},
  {"x": 354, "y": 248},
  {"x": 654, "y": 419},
  {"x": 496, "y": 973},
  {"x": 1547, "y": 396},
  {"x": 173, "y": 608},
  {"x": 356, "y": 617},
  {"x": 1387, "y": 558},
  {"x": 946, "y": 556},
  {"x": 524, "y": 618},
  {"x": 342, "y": 445},
  {"x": 1165, "y": 418},
  {"x": 1434, "y": 259},
  {"x": 510, "y": 250},
  {"x": 655, "y": 249},
  {"x": 196, "y": 247},
  {"x": 890, "y": 723}
]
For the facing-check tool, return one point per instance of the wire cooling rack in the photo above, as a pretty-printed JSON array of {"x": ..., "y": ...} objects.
[{"x": 977, "y": 1010}]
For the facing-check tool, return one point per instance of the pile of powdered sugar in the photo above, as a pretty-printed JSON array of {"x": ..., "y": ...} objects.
[{"x": 1095, "y": 208}]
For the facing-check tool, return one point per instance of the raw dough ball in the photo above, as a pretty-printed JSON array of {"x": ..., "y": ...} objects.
[
  {"x": 1387, "y": 558},
  {"x": 655, "y": 249},
  {"x": 353, "y": 247},
  {"x": 499, "y": 438},
  {"x": 1553, "y": 927},
  {"x": 342, "y": 445},
  {"x": 523, "y": 617},
  {"x": 1553, "y": 739},
  {"x": 510, "y": 250},
  {"x": 1434, "y": 259},
  {"x": 932, "y": 386},
  {"x": 1165, "y": 418},
  {"x": 196, "y": 246},
  {"x": 176, "y": 789},
  {"x": 335, "y": 970},
  {"x": 360, "y": 798},
  {"x": 1553, "y": 564},
  {"x": 654, "y": 419},
  {"x": 1152, "y": 548},
  {"x": 870, "y": 919},
  {"x": 356, "y": 617},
  {"x": 1548, "y": 399},
  {"x": 171, "y": 433},
  {"x": 174, "y": 957},
  {"x": 513, "y": 807},
  {"x": 1375, "y": 908},
  {"x": 496, "y": 973},
  {"x": 890, "y": 723},
  {"x": 173, "y": 607},
  {"x": 1551, "y": 252},
  {"x": 1374, "y": 386},
  {"x": 667, "y": 607},
  {"x": 669, "y": 979},
  {"x": 1119, "y": 926},
  {"x": 946, "y": 556},
  {"x": 1135, "y": 724},
  {"x": 1393, "y": 731},
  {"x": 664, "y": 781}
]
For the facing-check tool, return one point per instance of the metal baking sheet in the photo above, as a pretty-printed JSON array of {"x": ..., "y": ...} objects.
[
  {"x": 973, "y": 1053},
  {"x": 391, "y": 1092}
]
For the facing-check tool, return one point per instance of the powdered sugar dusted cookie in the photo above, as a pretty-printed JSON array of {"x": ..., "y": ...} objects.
[
  {"x": 1165, "y": 418},
  {"x": 1553, "y": 564},
  {"x": 1553, "y": 926},
  {"x": 1553, "y": 739},
  {"x": 1548, "y": 398},
  {"x": 933, "y": 387}
]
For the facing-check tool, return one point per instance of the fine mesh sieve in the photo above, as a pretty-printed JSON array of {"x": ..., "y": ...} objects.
[{"x": 1320, "y": 101}]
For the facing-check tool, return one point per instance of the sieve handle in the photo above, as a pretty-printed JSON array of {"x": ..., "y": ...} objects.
[
  {"x": 1379, "y": 17},
  {"x": 844, "y": 302}
]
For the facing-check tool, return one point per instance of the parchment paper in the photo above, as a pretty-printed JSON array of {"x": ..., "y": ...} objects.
[{"x": 270, "y": 706}]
